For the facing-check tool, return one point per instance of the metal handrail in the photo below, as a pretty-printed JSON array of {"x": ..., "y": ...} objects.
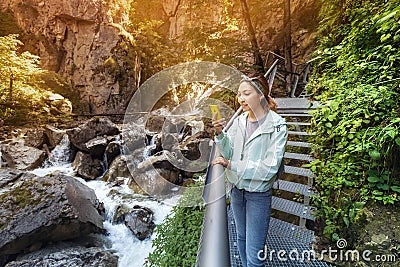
[
  {"x": 271, "y": 72},
  {"x": 298, "y": 71},
  {"x": 214, "y": 240}
]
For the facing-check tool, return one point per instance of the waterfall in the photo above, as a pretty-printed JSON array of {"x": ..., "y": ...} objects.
[
  {"x": 131, "y": 251},
  {"x": 151, "y": 146},
  {"x": 61, "y": 154}
]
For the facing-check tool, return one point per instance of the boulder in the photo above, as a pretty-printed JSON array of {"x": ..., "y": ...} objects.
[
  {"x": 174, "y": 125},
  {"x": 119, "y": 214},
  {"x": 97, "y": 146},
  {"x": 35, "y": 138},
  {"x": 155, "y": 123},
  {"x": 54, "y": 135},
  {"x": 93, "y": 128},
  {"x": 379, "y": 233},
  {"x": 150, "y": 182},
  {"x": 118, "y": 168},
  {"x": 140, "y": 221},
  {"x": 169, "y": 141},
  {"x": 196, "y": 147},
  {"x": 22, "y": 157},
  {"x": 87, "y": 167},
  {"x": 67, "y": 255},
  {"x": 113, "y": 149},
  {"x": 41, "y": 210},
  {"x": 161, "y": 160},
  {"x": 133, "y": 138}
]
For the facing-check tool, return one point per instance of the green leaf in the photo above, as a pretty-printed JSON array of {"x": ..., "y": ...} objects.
[
  {"x": 375, "y": 155},
  {"x": 383, "y": 186},
  {"x": 373, "y": 179},
  {"x": 385, "y": 37},
  {"x": 392, "y": 134},
  {"x": 377, "y": 193},
  {"x": 331, "y": 117},
  {"x": 395, "y": 188},
  {"x": 346, "y": 221},
  {"x": 359, "y": 205},
  {"x": 397, "y": 140},
  {"x": 335, "y": 237},
  {"x": 388, "y": 16}
]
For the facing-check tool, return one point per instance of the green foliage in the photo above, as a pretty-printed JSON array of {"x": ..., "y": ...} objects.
[
  {"x": 357, "y": 129},
  {"x": 178, "y": 236},
  {"x": 24, "y": 94}
]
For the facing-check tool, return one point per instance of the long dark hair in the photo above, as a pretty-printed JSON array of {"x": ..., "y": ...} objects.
[{"x": 261, "y": 85}]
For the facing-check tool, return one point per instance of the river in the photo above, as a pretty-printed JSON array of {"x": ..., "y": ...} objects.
[{"x": 131, "y": 251}]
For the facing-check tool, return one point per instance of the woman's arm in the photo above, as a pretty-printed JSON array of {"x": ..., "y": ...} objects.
[{"x": 224, "y": 143}]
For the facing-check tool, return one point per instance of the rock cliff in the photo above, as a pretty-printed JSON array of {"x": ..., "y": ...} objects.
[
  {"x": 80, "y": 39},
  {"x": 75, "y": 39}
]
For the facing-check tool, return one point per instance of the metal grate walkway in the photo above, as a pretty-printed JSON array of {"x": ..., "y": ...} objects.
[
  {"x": 293, "y": 247},
  {"x": 294, "y": 240}
]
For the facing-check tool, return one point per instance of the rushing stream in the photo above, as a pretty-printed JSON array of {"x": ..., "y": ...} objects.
[{"x": 131, "y": 251}]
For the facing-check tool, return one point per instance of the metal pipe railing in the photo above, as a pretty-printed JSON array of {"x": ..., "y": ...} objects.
[
  {"x": 214, "y": 240},
  {"x": 271, "y": 73}
]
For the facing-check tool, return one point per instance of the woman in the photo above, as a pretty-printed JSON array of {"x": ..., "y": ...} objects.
[{"x": 252, "y": 151}]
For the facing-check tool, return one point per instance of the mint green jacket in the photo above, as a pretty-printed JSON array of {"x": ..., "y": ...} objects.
[{"x": 254, "y": 164}]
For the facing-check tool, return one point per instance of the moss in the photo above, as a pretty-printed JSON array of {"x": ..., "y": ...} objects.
[{"x": 21, "y": 197}]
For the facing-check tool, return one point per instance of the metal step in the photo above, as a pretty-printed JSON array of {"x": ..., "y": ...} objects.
[
  {"x": 295, "y": 115},
  {"x": 295, "y": 103},
  {"x": 293, "y": 207},
  {"x": 299, "y": 133},
  {"x": 300, "y": 144},
  {"x": 305, "y": 157},
  {"x": 298, "y": 171},
  {"x": 293, "y": 110},
  {"x": 291, "y": 231},
  {"x": 278, "y": 246},
  {"x": 298, "y": 123},
  {"x": 294, "y": 187}
]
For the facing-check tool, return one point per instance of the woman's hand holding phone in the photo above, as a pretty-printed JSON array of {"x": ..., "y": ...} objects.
[{"x": 217, "y": 121}]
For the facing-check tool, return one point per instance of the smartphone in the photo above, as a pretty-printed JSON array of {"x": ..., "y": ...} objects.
[{"x": 215, "y": 110}]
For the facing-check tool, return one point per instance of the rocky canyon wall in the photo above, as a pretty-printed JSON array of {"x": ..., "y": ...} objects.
[{"x": 76, "y": 39}]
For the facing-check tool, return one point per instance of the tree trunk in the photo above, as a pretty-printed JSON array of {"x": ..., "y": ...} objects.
[
  {"x": 287, "y": 45},
  {"x": 10, "y": 89},
  {"x": 252, "y": 35}
]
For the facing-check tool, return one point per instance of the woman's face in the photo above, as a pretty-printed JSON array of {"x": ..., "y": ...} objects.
[{"x": 248, "y": 97}]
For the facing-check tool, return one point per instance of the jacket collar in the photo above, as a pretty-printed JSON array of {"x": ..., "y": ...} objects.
[{"x": 266, "y": 127}]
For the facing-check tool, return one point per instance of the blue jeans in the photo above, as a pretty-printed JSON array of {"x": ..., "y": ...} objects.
[{"x": 251, "y": 211}]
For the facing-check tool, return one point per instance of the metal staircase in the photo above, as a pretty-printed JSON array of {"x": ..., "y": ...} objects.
[
  {"x": 283, "y": 235},
  {"x": 299, "y": 75}
]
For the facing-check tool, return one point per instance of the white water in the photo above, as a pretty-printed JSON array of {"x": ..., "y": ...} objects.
[
  {"x": 152, "y": 145},
  {"x": 131, "y": 251},
  {"x": 60, "y": 155}
]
